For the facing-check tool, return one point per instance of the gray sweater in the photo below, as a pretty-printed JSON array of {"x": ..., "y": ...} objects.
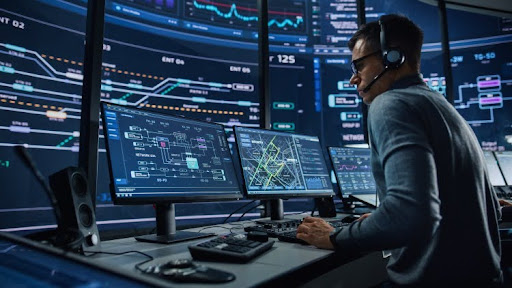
[{"x": 438, "y": 213}]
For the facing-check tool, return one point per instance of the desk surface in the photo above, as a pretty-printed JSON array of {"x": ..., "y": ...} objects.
[{"x": 287, "y": 263}]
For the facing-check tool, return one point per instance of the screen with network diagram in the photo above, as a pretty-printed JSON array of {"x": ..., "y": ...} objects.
[
  {"x": 280, "y": 163},
  {"x": 353, "y": 170},
  {"x": 161, "y": 157}
]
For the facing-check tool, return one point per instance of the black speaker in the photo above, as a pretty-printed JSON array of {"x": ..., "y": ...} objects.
[
  {"x": 75, "y": 204},
  {"x": 326, "y": 207}
]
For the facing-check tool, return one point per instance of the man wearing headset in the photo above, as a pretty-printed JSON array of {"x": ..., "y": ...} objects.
[{"x": 438, "y": 214}]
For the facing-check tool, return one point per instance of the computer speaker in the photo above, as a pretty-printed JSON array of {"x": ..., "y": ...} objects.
[
  {"x": 325, "y": 206},
  {"x": 71, "y": 191}
]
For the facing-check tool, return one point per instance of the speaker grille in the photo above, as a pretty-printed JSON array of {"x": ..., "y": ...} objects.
[
  {"x": 79, "y": 184},
  {"x": 85, "y": 215}
]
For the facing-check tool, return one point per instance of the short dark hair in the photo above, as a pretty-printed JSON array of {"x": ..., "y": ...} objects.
[{"x": 401, "y": 32}]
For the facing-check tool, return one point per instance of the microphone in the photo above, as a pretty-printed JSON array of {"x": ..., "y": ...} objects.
[
  {"x": 367, "y": 88},
  {"x": 27, "y": 159}
]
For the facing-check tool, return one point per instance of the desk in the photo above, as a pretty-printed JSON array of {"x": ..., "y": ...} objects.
[{"x": 287, "y": 264}]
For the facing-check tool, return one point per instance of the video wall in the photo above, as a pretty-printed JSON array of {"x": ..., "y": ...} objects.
[{"x": 199, "y": 59}]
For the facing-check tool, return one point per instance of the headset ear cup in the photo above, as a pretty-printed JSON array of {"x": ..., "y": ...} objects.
[{"x": 393, "y": 58}]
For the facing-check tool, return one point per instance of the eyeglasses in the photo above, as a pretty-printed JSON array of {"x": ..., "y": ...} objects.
[{"x": 355, "y": 63}]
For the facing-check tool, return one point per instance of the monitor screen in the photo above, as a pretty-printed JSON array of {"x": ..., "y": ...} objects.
[
  {"x": 281, "y": 165},
  {"x": 353, "y": 170},
  {"x": 30, "y": 264},
  {"x": 160, "y": 158},
  {"x": 505, "y": 163},
  {"x": 493, "y": 169}
]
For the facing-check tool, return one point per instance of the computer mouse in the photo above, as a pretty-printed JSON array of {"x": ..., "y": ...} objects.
[
  {"x": 257, "y": 236},
  {"x": 195, "y": 274},
  {"x": 177, "y": 263},
  {"x": 349, "y": 219}
]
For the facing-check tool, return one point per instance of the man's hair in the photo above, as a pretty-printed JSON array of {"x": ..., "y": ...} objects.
[{"x": 401, "y": 33}]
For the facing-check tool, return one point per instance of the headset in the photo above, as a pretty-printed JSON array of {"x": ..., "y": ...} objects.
[{"x": 392, "y": 58}]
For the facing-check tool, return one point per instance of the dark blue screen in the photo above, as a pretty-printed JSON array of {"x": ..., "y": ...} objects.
[{"x": 155, "y": 157}]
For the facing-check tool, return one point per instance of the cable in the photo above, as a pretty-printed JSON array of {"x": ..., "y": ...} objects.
[
  {"x": 137, "y": 266},
  {"x": 225, "y": 220},
  {"x": 240, "y": 218}
]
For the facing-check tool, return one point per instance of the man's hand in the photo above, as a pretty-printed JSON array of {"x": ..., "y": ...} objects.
[
  {"x": 316, "y": 232},
  {"x": 505, "y": 203}
]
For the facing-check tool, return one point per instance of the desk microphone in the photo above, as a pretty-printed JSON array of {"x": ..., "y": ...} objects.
[
  {"x": 367, "y": 88},
  {"x": 63, "y": 237},
  {"x": 27, "y": 159}
]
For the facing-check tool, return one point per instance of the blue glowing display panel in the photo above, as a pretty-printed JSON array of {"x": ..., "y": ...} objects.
[
  {"x": 480, "y": 61},
  {"x": 353, "y": 170},
  {"x": 280, "y": 164},
  {"x": 30, "y": 264},
  {"x": 157, "y": 158}
]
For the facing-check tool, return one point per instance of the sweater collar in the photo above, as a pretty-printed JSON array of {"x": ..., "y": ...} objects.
[{"x": 407, "y": 81}]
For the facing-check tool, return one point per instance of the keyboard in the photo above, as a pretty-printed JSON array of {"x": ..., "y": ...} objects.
[
  {"x": 229, "y": 248},
  {"x": 291, "y": 235},
  {"x": 288, "y": 233}
]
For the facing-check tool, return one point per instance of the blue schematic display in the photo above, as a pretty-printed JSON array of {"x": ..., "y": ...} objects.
[
  {"x": 277, "y": 163},
  {"x": 155, "y": 157},
  {"x": 198, "y": 58},
  {"x": 481, "y": 65},
  {"x": 353, "y": 170}
]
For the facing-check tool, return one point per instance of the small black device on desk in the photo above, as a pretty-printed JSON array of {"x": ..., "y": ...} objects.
[
  {"x": 230, "y": 248},
  {"x": 184, "y": 270}
]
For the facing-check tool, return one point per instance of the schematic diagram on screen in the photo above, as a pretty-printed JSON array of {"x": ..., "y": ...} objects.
[{"x": 177, "y": 155}]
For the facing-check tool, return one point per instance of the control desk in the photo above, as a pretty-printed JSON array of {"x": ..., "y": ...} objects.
[{"x": 290, "y": 264}]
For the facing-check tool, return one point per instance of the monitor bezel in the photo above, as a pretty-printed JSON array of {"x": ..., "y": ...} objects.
[
  {"x": 169, "y": 199},
  {"x": 343, "y": 196},
  {"x": 269, "y": 196}
]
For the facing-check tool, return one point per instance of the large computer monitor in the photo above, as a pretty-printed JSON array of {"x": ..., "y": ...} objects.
[
  {"x": 505, "y": 163},
  {"x": 281, "y": 165},
  {"x": 352, "y": 167},
  {"x": 162, "y": 159},
  {"x": 493, "y": 169}
]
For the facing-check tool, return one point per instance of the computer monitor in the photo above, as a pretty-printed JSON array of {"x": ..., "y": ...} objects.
[
  {"x": 281, "y": 165},
  {"x": 505, "y": 163},
  {"x": 161, "y": 159},
  {"x": 493, "y": 169},
  {"x": 26, "y": 263},
  {"x": 354, "y": 175}
]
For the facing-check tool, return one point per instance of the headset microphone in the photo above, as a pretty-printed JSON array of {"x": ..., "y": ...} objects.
[{"x": 367, "y": 88}]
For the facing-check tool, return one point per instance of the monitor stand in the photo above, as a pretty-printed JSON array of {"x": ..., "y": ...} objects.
[
  {"x": 351, "y": 207},
  {"x": 166, "y": 228},
  {"x": 276, "y": 214}
]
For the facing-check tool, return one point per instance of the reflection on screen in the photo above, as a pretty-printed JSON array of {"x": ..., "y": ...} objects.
[{"x": 25, "y": 266}]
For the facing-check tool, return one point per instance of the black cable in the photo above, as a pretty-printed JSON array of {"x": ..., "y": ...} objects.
[
  {"x": 137, "y": 266},
  {"x": 240, "y": 218},
  {"x": 225, "y": 220}
]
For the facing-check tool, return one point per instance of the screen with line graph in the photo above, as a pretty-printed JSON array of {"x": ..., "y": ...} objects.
[
  {"x": 280, "y": 164},
  {"x": 353, "y": 170}
]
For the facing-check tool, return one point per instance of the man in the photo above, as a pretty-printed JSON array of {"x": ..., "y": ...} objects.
[{"x": 438, "y": 214}]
